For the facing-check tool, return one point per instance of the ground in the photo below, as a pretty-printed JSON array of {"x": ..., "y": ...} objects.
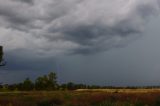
[{"x": 83, "y": 97}]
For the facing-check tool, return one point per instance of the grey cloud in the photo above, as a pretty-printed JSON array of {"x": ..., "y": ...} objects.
[
  {"x": 73, "y": 26},
  {"x": 26, "y": 1}
]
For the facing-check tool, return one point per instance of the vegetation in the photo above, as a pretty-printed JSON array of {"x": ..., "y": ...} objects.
[
  {"x": 75, "y": 98},
  {"x": 45, "y": 91},
  {"x": 1, "y": 54},
  {"x": 49, "y": 83},
  {"x": 46, "y": 82},
  {"x": 2, "y": 62}
]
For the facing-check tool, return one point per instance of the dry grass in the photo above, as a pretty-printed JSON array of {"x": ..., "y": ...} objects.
[
  {"x": 83, "y": 97},
  {"x": 120, "y": 90}
]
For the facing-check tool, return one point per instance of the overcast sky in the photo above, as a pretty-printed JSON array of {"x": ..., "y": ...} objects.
[{"x": 106, "y": 42}]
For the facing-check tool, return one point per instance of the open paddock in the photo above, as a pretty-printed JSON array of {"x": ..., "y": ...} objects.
[
  {"x": 83, "y": 97},
  {"x": 120, "y": 90}
]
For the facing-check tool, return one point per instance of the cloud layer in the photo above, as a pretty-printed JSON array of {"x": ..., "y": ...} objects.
[{"x": 53, "y": 27}]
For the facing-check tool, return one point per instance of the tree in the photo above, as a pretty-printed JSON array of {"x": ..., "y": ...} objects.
[
  {"x": 27, "y": 85},
  {"x": 63, "y": 87},
  {"x": 39, "y": 83},
  {"x": 52, "y": 81},
  {"x": 13, "y": 87},
  {"x": 46, "y": 82},
  {"x": 1, "y": 54},
  {"x": 1, "y": 57},
  {"x": 71, "y": 86}
]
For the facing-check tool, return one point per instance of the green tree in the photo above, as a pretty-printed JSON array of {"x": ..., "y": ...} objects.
[
  {"x": 71, "y": 86},
  {"x": 2, "y": 63},
  {"x": 52, "y": 81},
  {"x": 39, "y": 83},
  {"x": 27, "y": 85},
  {"x": 46, "y": 82},
  {"x": 1, "y": 53}
]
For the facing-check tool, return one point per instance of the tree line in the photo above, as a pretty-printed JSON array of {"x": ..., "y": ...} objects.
[
  {"x": 49, "y": 83},
  {"x": 45, "y": 82}
]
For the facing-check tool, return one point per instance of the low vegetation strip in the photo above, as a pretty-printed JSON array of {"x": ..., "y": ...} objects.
[
  {"x": 76, "y": 98},
  {"x": 121, "y": 90}
]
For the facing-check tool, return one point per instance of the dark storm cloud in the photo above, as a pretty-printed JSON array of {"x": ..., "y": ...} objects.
[
  {"x": 54, "y": 27},
  {"x": 19, "y": 64},
  {"x": 26, "y": 1},
  {"x": 96, "y": 38}
]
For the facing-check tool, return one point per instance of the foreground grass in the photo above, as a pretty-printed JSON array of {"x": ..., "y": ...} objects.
[{"x": 117, "y": 97}]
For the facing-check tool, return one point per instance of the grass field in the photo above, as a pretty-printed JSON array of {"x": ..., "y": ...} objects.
[
  {"x": 121, "y": 90},
  {"x": 83, "y": 97}
]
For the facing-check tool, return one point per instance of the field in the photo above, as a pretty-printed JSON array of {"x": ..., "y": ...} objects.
[{"x": 83, "y": 97}]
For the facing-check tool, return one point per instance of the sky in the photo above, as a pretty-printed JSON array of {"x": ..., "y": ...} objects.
[{"x": 107, "y": 42}]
